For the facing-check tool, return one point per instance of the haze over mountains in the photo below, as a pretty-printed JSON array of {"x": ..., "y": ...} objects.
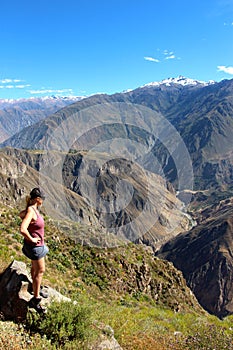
[
  {"x": 18, "y": 114},
  {"x": 200, "y": 112},
  {"x": 116, "y": 156}
]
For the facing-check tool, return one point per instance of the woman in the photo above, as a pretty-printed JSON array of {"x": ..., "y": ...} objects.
[{"x": 32, "y": 228}]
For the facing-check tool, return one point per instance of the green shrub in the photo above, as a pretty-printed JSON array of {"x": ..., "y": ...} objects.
[
  {"x": 79, "y": 257},
  {"x": 16, "y": 222},
  {"x": 90, "y": 276},
  {"x": 60, "y": 268},
  {"x": 64, "y": 322},
  {"x": 18, "y": 237}
]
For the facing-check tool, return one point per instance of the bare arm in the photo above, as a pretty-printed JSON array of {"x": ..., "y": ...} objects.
[{"x": 24, "y": 226}]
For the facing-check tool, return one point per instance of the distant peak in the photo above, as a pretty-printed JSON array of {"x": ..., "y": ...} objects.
[
  {"x": 44, "y": 98},
  {"x": 180, "y": 80},
  {"x": 58, "y": 97}
]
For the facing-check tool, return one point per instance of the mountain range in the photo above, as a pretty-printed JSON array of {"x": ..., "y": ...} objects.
[
  {"x": 15, "y": 115},
  {"x": 154, "y": 143},
  {"x": 201, "y": 113}
]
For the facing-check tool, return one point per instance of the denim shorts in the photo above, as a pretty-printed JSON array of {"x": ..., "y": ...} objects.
[{"x": 34, "y": 253}]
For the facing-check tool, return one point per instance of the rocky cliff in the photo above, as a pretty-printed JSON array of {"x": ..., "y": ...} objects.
[
  {"x": 119, "y": 201},
  {"x": 205, "y": 256}
]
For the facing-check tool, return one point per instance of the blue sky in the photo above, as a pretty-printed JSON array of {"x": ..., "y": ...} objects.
[{"x": 78, "y": 47}]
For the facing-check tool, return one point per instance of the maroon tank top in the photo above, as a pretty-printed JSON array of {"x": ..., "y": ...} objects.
[{"x": 36, "y": 229}]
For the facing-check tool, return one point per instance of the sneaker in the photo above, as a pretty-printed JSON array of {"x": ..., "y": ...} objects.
[
  {"x": 35, "y": 304},
  {"x": 43, "y": 293}
]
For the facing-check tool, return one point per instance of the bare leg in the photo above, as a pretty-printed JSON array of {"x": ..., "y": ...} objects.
[
  {"x": 32, "y": 271},
  {"x": 37, "y": 271}
]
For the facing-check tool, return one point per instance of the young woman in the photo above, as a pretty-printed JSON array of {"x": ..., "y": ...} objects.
[{"x": 32, "y": 228}]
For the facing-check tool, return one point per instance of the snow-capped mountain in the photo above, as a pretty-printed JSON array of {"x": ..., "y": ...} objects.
[
  {"x": 180, "y": 80},
  {"x": 18, "y": 114},
  {"x": 9, "y": 103}
]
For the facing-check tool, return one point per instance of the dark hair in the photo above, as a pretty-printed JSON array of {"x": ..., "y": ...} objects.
[{"x": 37, "y": 192}]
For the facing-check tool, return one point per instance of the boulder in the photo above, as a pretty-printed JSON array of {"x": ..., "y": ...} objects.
[
  {"x": 106, "y": 340},
  {"x": 16, "y": 292},
  {"x": 108, "y": 344}
]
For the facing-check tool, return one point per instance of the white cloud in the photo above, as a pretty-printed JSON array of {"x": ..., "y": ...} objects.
[
  {"x": 11, "y": 86},
  {"x": 51, "y": 91},
  {"x": 22, "y": 86},
  {"x": 164, "y": 55},
  {"x": 14, "y": 86},
  {"x": 151, "y": 59},
  {"x": 225, "y": 69},
  {"x": 171, "y": 57},
  {"x": 228, "y": 24},
  {"x": 7, "y": 81},
  {"x": 168, "y": 53}
]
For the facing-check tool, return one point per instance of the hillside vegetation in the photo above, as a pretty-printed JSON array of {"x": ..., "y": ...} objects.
[{"x": 144, "y": 299}]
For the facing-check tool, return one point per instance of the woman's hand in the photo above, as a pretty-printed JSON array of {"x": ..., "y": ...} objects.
[{"x": 35, "y": 240}]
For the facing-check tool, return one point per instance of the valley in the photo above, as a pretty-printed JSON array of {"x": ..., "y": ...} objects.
[{"x": 141, "y": 184}]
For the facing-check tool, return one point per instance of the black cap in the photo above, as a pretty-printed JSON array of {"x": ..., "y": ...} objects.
[{"x": 37, "y": 192}]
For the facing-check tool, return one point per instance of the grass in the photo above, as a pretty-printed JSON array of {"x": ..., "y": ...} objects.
[
  {"x": 102, "y": 282},
  {"x": 136, "y": 328},
  {"x": 155, "y": 327}
]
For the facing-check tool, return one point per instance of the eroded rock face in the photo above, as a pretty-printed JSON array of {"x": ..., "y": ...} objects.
[
  {"x": 122, "y": 193},
  {"x": 116, "y": 197},
  {"x": 205, "y": 256},
  {"x": 15, "y": 292}
]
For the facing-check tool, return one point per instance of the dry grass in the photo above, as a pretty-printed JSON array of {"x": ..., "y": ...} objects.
[
  {"x": 138, "y": 324},
  {"x": 144, "y": 341},
  {"x": 14, "y": 337}
]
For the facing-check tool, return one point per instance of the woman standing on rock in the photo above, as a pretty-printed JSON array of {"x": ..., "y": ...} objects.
[{"x": 32, "y": 228}]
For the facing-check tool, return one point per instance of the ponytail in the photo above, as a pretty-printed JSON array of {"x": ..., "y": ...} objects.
[{"x": 29, "y": 202}]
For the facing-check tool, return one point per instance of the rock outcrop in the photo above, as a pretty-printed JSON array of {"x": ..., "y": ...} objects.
[
  {"x": 106, "y": 341},
  {"x": 16, "y": 292}
]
